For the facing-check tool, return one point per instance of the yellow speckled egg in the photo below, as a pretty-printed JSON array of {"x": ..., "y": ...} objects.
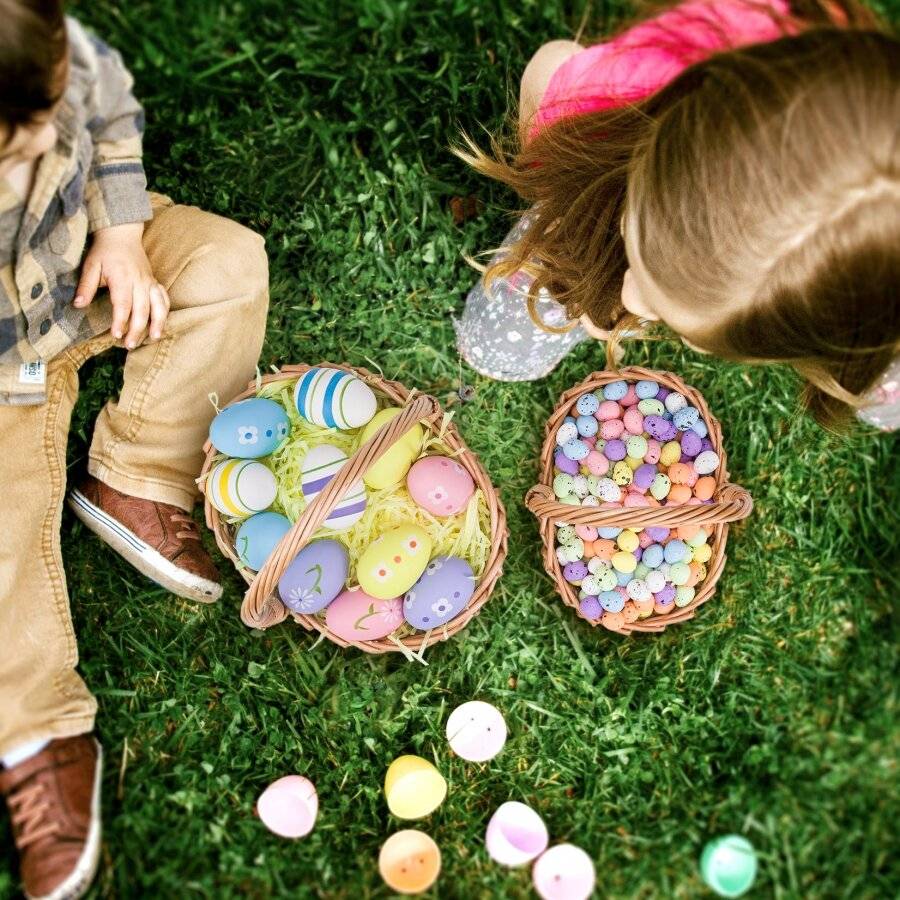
[
  {"x": 391, "y": 468},
  {"x": 622, "y": 474},
  {"x": 670, "y": 453},
  {"x": 392, "y": 564}
]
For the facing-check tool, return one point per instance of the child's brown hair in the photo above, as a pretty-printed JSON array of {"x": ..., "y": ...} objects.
[
  {"x": 762, "y": 185},
  {"x": 33, "y": 45}
]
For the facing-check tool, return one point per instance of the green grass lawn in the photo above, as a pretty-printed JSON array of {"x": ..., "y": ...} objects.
[{"x": 325, "y": 125}]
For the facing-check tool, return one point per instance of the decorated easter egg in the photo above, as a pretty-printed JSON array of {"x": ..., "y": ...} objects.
[
  {"x": 391, "y": 468},
  {"x": 445, "y": 587},
  {"x": 646, "y": 389},
  {"x": 615, "y": 390},
  {"x": 392, "y": 563},
  {"x": 440, "y": 485},
  {"x": 355, "y": 616},
  {"x": 334, "y": 398},
  {"x": 686, "y": 417},
  {"x": 409, "y": 862},
  {"x": 576, "y": 449},
  {"x": 564, "y": 464},
  {"x": 516, "y": 834},
  {"x": 289, "y": 806},
  {"x": 240, "y": 487},
  {"x": 566, "y": 432},
  {"x": 258, "y": 536},
  {"x": 320, "y": 465},
  {"x": 315, "y": 577},
  {"x": 250, "y": 429}
]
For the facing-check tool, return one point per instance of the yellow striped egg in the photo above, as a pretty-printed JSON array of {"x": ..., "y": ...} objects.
[{"x": 240, "y": 487}]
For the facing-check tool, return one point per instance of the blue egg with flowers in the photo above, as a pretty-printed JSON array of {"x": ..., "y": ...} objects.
[{"x": 250, "y": 429}]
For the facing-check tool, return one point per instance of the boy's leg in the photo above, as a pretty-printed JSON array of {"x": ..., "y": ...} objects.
[{"x": 147, "y": 446}]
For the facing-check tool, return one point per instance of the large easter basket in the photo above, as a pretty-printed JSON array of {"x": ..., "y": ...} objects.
[
  {"x": 262, "y": 607},
  {"x": 730, "y": 502}
]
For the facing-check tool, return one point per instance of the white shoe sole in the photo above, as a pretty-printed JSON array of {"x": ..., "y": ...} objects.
[
  {"x": 142, "y": 556},
  {"x": 82, "y": 875}
]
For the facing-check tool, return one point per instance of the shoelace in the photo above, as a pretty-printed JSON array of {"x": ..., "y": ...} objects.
[
  {"x": 28, "y": 808},
  {"x": 190, "y": 531}
]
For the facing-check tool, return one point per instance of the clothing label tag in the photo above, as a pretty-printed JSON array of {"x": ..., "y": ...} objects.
[{"x": 32, "y": 373}]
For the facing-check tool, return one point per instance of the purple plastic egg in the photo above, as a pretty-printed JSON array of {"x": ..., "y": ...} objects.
[
  {"x": 644, "y": 475},
  {"x": 315, "y": 577},
  {"x": 443, "y": 589},
  {"x": 564, "y": 464},
  {"x": 575, "y": 572},
  {"x": 690, "y": 443},
  {"x": 666, "y": 595},
  {"x": 615, "y": 450}
]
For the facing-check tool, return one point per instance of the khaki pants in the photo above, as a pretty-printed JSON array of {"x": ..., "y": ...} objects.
[{"x": 147, "y": 444}]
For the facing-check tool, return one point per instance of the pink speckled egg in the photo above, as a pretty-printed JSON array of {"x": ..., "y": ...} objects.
[
  {"x": 440, "y": 485},
  {"x": 356, "y": 616}
]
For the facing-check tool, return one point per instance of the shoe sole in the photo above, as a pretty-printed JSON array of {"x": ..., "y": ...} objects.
[
  {"x": 142, "y": 556},
  {"x": 80, "y": 878}
]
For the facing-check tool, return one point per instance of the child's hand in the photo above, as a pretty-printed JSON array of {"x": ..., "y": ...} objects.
[{"x": 117, "y": 261}]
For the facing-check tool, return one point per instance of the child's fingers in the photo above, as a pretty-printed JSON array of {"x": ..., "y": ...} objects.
[
  {"x": 159, "y": 310},
  {"x": 120, "y": 295},
  {"x": 140, "y": 312},
  {"x": 88, "y": 283}
]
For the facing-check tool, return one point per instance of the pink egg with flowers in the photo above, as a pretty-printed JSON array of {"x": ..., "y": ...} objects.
[{"x": 440, "y": 485}]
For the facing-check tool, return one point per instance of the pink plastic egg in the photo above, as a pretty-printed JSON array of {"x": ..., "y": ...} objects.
[
  {"x": 355, "y": 616},
  {"x": 289, "y": 806},
  {"x": 440, "y": 485},
  {"x": 564, "y": 872}
]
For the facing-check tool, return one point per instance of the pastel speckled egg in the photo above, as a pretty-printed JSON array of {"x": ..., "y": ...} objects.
[
  {"x": 575, "y": 572},
  {"x": 334, "y": 398},
  {"x": 706, "y": 462},
  {"x": 576, "y": 450},
  {"x": 289, "y": 806},
  {"x": 392, "y": 563},
  {"x": 587, "y": 426},
  {"x": 615, "y": 390},
  {"x": 564, "y": 872},
  {"x": 622, "y": 474},
  {"x": 587, "y": 404},
  {"x": 564, "y": 464},
  {"x": 686, "y": 418},
  {"x": 258, "y": 536},
  {"x": 590, "y": 608},
  {"x": 615, "y": 450},
  {"x": 611, "y": 601},
  {"x": 355, "y": 616},
  {"x": 315, "y": 577},
  {"x": 409, "y": 862},
  {"x": 319, "y": 466},
  {"x": 566, "y": 432},
  {"x": 515, "y": 835},
  {"x": 440, "y": 485},
  {"x": 240, "y": 487},
  {"x": 391, "y": 468},
  {"x": 250, "y": 429},
  {"x": 444, "y": 588}
]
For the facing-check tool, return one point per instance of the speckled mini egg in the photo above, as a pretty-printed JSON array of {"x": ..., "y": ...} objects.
[
  {"x": 615, "y": 450},
  {"x": 566, "y": 432},
  {"x": 622, "y": 474},
  {"x": 587, "y": 404},
  {"x": 611, "y": 601},
  {"x": 608, "y": 491},
  {"x": 440, "y": 485},
  {"x": 675, "y": 401},
  {"x": 564, "y": 464},
  {"x": 636, "y": 446},
  {"x": 240, "y": 487},
  {"x": 334, "y": 398},
  {"x": 575, "y": 572},
  {"x": 250, "y": 429},
  {"x": 444, "y": 588},
  {"x": 615, "y": 390},
  {"x": 315, "y": 577},
  {"x": 646, "y": 389},
  {"x": 706, "y": 462},
  {"x": 651, "y": 407},
  {"x": 686, "y": 418},
  {"x": 319, "y": 466},
  {"x": 392, "y": 563},
  {"x": 355, "y": 616},
  {"x": 258, "y": 536},
  {"x": 391, "y": 468},
  {"x": 587, "y": 426},
  {"x": 576, "y": 450}
]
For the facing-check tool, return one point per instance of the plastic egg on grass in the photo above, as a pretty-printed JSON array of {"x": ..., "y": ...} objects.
[
  {"x": 333, "y": 398},
  {"x": 355, "y": 616},
  {"x": 315, "y": 577},
  {"x": 515, "y": 835},
  {"x": 319, "y": 466},
  {"x": 409, "y": 862},
  {"x": 440, "y": 594},
  {"x": 476, "y": 731},
  {"x": 289, "y": 806},
  {"x": 391, "y": 467},
  {"x": 240, "y": 487},
  {"x": 728, "y": 865},
  {"x": 564, "y": 872},
  {"x": 440, "y": 485},
  {"x": 250, "y": 429},
  {"x": 258, "y": 536},
  {"x": 413, "y": 787},
  {"x": 392, "y": 563}
]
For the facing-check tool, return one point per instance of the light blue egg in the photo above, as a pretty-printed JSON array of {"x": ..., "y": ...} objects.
[
  {"x": 587, "y": 425},
  {"x": 615, "y": 390},
  {"x": 609, "y": 533},
  {"x": 686, "y": 418},
  {"x": 624, "y": 578},
  {"x": 646, "y": 389},
  {"x": 587, "y": 404},
  {"x": 576, "y": 450},
  {"x": 611, "y": 601},
  {"x": 652, "y": 556},
  {"x": 258, "y": 536},
  {"x": 700, "y": 428},
  {"x": 250, "y": 429},
  {"x": 675, "y": 551}
]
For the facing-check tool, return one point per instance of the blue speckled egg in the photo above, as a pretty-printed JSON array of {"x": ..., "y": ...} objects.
[
  {"x": 686, "y": 418},
  {"x": 587, "y": 425},
  {"x": 440, "y": 594},
  {"x": 615, "y": 390},
  {"x": 258, "y": 536},
  {"x": 250, "y": 429},
  {"x": 646, "y": 389},
  {"x": 587, "y": 404},
  {"x": 611, "y": 601}
]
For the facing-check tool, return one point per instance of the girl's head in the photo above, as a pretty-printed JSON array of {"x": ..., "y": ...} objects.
[
  {"x": 753, "y": 205},
  {"x": 33, "y": 71}
]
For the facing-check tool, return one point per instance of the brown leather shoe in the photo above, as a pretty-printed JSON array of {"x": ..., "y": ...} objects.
[
  {"x": 54, "y": 804},
  {"x": 159, "y": 540}
]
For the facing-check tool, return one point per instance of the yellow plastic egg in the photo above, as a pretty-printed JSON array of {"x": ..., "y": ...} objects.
[
  {"x": 392, "y": 467},
  {"x": 670, "y": 453},
  {"x": 413, "y": 787},
  {"x": 392, "y": 564}
]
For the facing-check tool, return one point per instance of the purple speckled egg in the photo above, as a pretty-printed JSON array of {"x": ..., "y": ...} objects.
[
  {"x": 705, "y": 444},
  {"x": 575, "y": 572},
  {"x": 615, "y": 450},
  {"x": 666, "y": 595},
  {"x": 590, "y": 608},
  {"x": 690, "y": 444},
  {"x": 662, "y": 393},
  {"x": 315, "y": 577},
  {"x": 657, "y": 427},
  {"x": 564, "y": 464},
  {"x": 658, "y": 532},
  {"x": 644, "y": 475},
  {"x": 444, "y": 588}
]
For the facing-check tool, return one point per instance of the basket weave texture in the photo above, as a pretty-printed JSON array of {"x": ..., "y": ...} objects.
[
  {"x": 262, "y": 608},
  {"x": 730, "y": 501}
]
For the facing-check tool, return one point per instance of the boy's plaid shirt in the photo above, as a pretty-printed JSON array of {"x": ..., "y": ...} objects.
[{"x": 93, "y": 178}]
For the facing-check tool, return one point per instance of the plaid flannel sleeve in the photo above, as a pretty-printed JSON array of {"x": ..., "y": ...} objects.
[{"x": 116, "y": 189}]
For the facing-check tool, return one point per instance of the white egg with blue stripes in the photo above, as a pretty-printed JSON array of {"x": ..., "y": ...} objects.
[
  {"x": 334, "y": 399},
  {"x": 320, "y": 465}
]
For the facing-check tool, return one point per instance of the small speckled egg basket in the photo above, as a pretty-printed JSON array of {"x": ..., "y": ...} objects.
[
  {"x": 730, "y": 502},
  {"x": 262, "y": 608}
]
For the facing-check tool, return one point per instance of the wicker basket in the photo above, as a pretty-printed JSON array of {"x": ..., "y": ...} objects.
[
  {"x": 730, "y": 502},
  {"x": 262, "y": 608}
]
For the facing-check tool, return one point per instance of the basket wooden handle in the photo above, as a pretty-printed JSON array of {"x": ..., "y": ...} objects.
[
  {"x": 261, "y": 607},
  {"x": 733, "y": 504}
]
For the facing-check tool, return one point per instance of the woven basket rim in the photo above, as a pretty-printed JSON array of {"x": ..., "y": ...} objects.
[
  {"x": 262, "y": 608},
  {"x": 733, "y": 502}
]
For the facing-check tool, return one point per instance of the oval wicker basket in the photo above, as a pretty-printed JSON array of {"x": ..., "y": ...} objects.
[
  {"x": 730, "y": 502},
  {"x": 262, "y": 608}
]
